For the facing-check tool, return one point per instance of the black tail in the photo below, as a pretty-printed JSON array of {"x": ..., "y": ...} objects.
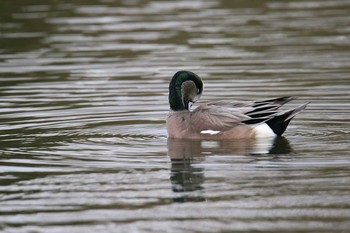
[{"x": 279, "y": 123}]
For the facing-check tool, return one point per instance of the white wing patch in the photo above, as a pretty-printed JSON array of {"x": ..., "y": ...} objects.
[{"x": 209, "y": 131}]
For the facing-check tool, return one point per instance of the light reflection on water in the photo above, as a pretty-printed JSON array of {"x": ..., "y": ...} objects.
[{"x": 83, "y": 99}]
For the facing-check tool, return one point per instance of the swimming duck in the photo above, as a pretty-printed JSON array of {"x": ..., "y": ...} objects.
[{"x": 222, "y": 120}]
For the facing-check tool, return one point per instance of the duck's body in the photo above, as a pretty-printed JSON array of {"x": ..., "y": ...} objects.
[
  {"x": 184, "y": 125},
  {"x": 222, "y": 120}
]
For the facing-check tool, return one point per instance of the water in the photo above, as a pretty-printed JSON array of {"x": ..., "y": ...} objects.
[{"x": 83, "y": 99}]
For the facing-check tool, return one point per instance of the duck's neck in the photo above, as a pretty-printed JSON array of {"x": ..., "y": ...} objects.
[
  {"x": 175, "y": 96},
  {"x": 176, "y": 89}
]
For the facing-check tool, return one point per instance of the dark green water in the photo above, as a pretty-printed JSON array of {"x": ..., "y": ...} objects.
[{"x": 83, "y": 101}]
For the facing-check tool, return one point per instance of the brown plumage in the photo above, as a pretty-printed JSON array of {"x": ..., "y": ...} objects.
[{"x": 222, "y": 120}]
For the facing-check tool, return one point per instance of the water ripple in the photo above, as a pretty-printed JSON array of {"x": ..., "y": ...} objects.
[{"x": 83, "y": 97}]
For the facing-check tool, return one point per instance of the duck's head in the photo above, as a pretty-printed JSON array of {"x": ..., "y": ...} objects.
[{"x": 185, "y": 89}]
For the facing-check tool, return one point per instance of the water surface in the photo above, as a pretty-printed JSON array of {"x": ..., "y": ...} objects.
[{"x": 83, "y": 97}]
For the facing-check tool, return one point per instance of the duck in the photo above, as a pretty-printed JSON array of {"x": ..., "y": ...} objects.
[{"x": 222, "y": 120}]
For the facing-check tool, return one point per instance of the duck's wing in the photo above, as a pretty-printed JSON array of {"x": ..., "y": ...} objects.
[
  {"x": 259, "y": 105},
  {"x": 265, "y": 110},
  {"x": 218, "y": 117},
  {"x": 225, "y": 115}
]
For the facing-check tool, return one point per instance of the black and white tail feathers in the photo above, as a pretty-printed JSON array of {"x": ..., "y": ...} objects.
[
  {"x": 267, "y": 111},
  {"x": 279, "y": 123}
]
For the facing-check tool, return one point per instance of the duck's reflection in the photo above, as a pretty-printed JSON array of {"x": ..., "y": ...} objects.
[
  {"x": 187, "y": 180},
  {"x": 187, "y": 174}
]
